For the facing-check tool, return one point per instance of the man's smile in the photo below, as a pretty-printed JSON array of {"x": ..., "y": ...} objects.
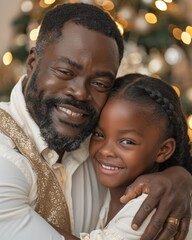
[{"x": 71, "y": 114}]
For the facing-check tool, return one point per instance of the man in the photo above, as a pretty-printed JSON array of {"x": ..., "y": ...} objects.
[{"x": 45, "y": 134}]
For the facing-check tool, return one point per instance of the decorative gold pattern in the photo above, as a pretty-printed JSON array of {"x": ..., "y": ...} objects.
[{"x": 51, "y": 203}]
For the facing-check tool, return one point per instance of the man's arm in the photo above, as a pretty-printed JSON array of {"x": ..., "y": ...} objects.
[
  {"x": 170, "y": 192},
  {"x": 18, "y": 220}
]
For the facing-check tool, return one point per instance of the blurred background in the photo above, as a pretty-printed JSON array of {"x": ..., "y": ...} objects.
[{"x": 157, "y": 37}]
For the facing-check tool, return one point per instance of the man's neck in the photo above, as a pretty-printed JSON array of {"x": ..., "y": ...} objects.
[{"x": 60, "y": 153}]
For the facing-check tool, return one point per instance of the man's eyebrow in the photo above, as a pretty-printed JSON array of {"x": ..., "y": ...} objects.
[
  {"x": 70, "y": 62},
  {"x": 78, "y": 66},
  {"x": 107, "y": 74}
]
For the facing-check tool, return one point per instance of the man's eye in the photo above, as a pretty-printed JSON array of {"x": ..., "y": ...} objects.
[
  {"x": 127, "y": 141},
  {"x": 102, "y": 85},
  {"x": 97, "y": 134},
  {"x": 64, "y": 73}
]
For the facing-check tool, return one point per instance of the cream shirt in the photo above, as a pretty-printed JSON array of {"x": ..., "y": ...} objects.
[
  {"x": 18, "y": 182},
  {"x": 119, "y": 228}
]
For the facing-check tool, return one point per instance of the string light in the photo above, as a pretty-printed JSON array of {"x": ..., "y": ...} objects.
[
  {"x": 189, "y": 94},
  {"x": 189, "y": 30},
  {"x": 107, "y": 5},
  {"x": 177, "y": 90},
  {"x": 7, "y": 58},
  {"x": 189, "y": 121},
  {"x": 99, "y": 2},
  {"x": 148, "y": 2},
  {"x": 73, "y": 1},
  {"x": 123, "y": 23},
  {"x": 49, "y": 2},
  {"x": 26, "y": 6},
  {"x": 161, "y": 5},
  {"x": 120, "y": 27},
  {"x": 155, "y": 65},
  {"x": 43, "y": 4},
  {"x": 151, "y": 18},
  {"x": 173, "y": 55},
  {"x": 177, "y": 33},
  {"x": 34, "y": 34},
  {"x": 186, "y": 38}
]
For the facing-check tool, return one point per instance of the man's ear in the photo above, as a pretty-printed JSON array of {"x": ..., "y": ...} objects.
[
  {"x": 166, "y": 150},
  {"x": 31, "y": 60}
]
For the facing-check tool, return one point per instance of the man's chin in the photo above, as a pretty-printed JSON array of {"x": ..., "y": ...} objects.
[
  {"x": 69, "y": 130},
  {"x": 66, "y": 140},
  {"x": 65, "y": 143}
]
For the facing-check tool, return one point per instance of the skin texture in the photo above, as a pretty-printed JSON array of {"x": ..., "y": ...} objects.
[
  {"x": 125, "y": 144},
  {"x": 76, "y": 74}
]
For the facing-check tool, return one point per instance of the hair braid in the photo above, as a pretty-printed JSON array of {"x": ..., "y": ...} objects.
[{"x": 179, "y": 128}]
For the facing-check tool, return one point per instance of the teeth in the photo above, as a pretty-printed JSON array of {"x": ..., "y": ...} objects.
[
  {"x": 69, "y": 112},
  {"x": 110, "y": 168}
]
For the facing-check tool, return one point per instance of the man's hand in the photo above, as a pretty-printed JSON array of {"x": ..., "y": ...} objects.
[{"x": 170, "y": 193}]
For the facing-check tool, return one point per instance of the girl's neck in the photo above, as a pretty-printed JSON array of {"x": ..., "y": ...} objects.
[{"x": 115, "y": 204}]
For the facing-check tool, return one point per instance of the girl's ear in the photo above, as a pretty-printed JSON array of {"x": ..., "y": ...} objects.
[
  {"x": 31, "y": 60},
  {"x": 166, "y": 150}
]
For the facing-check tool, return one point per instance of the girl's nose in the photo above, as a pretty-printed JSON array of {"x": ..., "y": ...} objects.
[{"x": 107, "y": 149}]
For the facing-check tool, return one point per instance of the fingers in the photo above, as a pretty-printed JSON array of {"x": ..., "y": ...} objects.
[
  {"x": 178, "y": 231},
  {"x": 134, "y": 191},
  {"x": 157, "y": 220},
  {"x": 170, "y": 229},
  {"x": 183, "y": 228},
  {"x": 149, "y": 204}
]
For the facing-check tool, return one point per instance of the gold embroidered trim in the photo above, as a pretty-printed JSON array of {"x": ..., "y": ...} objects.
[{"x": 51, "y": 203}]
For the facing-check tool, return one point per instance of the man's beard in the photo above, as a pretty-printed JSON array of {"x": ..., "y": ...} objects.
[{"x": 41, "y": 109}]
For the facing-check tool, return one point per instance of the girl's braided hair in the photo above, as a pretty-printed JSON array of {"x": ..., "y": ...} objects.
[{"x": 163, "y": 102}]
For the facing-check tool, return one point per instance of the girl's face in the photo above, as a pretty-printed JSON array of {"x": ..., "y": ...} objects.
[{"x": 125, "y": 143}]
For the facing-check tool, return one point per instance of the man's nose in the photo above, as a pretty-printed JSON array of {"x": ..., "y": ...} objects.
[{"x": 78, "y": 89}]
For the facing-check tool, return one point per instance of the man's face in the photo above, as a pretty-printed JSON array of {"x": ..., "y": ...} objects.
[{"x": 67, "y": 88}]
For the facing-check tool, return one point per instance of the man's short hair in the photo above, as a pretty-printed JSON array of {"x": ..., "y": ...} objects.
[{"x": 87, "y": 15}]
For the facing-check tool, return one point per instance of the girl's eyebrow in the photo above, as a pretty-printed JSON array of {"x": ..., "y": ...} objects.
[{"x": 130, "y": 131}]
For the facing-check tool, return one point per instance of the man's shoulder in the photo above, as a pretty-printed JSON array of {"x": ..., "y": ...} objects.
[
  {"x": 6, "y": 142},
  {"x": 10, "y": 154}
]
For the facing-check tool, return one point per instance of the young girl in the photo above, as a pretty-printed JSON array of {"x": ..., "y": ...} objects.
[{"x": 141, "y": 129}]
